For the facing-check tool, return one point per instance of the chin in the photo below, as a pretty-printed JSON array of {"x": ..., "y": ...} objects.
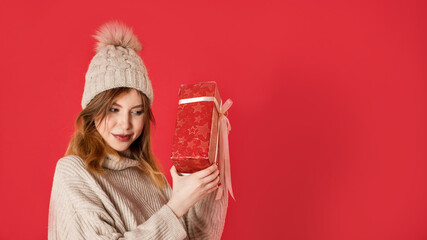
[{"x": 121, "y": 148}]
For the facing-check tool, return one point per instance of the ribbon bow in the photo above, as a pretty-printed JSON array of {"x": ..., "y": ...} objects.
[{"x": 224, "y": 154}]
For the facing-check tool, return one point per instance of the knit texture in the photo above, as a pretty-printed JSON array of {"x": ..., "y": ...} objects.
[
  {"x": 124, "y": 204},
  {"x": 113, "y": 67},
  {"x": 116, "y": 63}
]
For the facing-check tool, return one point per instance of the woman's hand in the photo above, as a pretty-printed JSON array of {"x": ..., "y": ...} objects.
[{"x": 189, "y": 189}]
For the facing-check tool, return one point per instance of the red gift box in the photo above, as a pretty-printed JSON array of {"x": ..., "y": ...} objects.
[
  {"x": 201, "y": 132},
  {"x": 195, "y": 142}
]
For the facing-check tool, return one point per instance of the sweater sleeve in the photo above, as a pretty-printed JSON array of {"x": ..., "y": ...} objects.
[
  {"x": 78, "y": 210},
  {"x": 97, "y": 225},
  {"x": 206, "y": 219}
]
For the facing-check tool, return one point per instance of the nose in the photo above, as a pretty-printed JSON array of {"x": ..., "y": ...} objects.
[{"x": 124, "y": 121}]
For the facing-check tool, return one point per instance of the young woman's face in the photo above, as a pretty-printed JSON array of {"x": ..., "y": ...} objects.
[{"x": 124, "y": 121}]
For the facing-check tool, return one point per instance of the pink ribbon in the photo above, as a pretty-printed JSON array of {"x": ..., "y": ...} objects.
[{"x": 224, "y": 154}]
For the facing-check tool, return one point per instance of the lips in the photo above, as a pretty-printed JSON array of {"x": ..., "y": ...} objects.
[{"x": 122, "y": 137}]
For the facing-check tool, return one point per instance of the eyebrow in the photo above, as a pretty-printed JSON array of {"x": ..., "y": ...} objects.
[{"x": 137, "y": 106}]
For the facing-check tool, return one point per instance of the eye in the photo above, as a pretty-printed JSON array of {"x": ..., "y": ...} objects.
[
  {"x": 114, "y": 110},
  {"x": 137, "y": 112}
]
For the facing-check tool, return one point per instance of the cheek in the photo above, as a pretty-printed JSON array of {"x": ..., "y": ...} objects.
[
  {"x": 109, "y": 123},
  {"x": 104, "y": 125},
  {"x": 139, "y": 126}
]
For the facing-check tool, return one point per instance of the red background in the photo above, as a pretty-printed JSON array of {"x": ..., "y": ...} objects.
[{"x": 328, "y": 135}]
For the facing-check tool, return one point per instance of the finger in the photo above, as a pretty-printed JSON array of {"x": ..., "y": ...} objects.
[
  {"x": 215, "y": 187},
  {"x": 207, "y": 171},
  {"x": 210, "y": 177},
  {"x": 213, "y": 183},
  {"x": 173, "y": 171},
  {"x": 211, "y": 190}
]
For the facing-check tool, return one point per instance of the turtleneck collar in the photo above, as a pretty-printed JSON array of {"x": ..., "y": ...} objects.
[{"x": 115, "y": 163}]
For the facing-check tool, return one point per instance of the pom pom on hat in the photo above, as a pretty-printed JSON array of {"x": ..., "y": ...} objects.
[{"x": 117, "y": 34}]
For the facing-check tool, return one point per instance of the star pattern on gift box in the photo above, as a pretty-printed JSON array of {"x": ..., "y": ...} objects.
[
  {"x": 191, "y": 144},
  {"x": 198, "y": 108},
  {"x": 181, "y": 139},
  {"x": 197, "y": 119},
  {"x": 179, "y": 123},
  {"x": 206, "y": 90},
  {"x": 192, "y": 130},
  {"x": 186, "y": 92},
  {"x": 203, "y": 130}
]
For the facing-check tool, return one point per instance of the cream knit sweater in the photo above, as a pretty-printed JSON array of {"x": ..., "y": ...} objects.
[{"x": 124, "y": 204}]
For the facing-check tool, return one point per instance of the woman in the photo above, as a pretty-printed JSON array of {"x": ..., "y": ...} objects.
[{"x": 109, "y": 186}]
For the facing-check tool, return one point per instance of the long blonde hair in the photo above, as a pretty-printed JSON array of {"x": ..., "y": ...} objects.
[{"x": 88, "y": 144}]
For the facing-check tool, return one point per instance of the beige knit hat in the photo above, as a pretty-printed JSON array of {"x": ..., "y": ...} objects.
[{"x": 116, "y": 63}]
